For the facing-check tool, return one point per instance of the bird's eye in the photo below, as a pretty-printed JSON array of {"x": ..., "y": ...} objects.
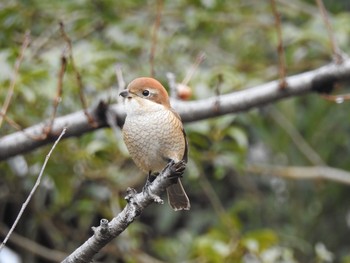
[{"x": 145, "y": 93}]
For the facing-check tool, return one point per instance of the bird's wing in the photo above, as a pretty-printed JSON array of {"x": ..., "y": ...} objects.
[{"x": 185, "y": 158}]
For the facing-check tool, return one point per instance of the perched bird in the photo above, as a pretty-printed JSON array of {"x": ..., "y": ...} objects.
[{"x": 154, "y": 134}]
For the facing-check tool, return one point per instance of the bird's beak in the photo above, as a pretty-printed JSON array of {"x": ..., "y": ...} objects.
[{"x": 124, "y": 93}]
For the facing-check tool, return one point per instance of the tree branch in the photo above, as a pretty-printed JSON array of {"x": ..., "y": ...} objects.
[
  {"x": 18, "y": 63},
  {"x": 137, "y": 202},
  {"x": 24, "y": 141},
  {"x": 297, "y": 138},
  {"x": 36, "y": 185},
  {"x": 321, "y": 80},
  {"x": 303, "y": 172},
  {"x": 32, "y": 246}
]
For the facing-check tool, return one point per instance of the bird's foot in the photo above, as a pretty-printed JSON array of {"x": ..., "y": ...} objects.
[
  {"x": 151, "y": 177},
  {"x": 176, "y": 170}
]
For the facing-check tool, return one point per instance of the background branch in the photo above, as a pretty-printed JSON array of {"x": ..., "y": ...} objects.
[
  {"x": 299, "y": 141},
  {"x": 18, "y": 63},
  {"x": 77, "y": 75},
  {"x": 280, "y": 49},
  {"x": 320, "y": 80},
  {"x": 37, "y": 183},
  {"x": 303, "y": 172},
  {"x": 337, "y": 54},
  {"x": 33, "y": 247},
  {"x": 155, "y": 35}
]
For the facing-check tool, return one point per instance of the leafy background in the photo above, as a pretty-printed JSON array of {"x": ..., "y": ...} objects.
[{"x": 239, "y": 212}]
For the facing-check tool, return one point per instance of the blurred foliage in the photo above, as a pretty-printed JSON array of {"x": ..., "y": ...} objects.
[{"x": 236, "y": 215}]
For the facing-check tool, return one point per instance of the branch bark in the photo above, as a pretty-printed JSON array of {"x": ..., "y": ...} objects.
[
  {"x": 320, "y": 80},
  {"x": 137, "y": 202}
]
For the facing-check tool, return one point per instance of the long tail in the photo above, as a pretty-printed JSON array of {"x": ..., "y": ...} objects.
[{"x": 177, "y": 197}]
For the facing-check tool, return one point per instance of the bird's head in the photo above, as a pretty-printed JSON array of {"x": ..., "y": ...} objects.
[{"x": 144, "y": 95}]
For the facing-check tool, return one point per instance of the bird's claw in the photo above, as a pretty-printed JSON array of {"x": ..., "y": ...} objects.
[
  {"x": 173, "y": 172},
  {"x": 176, "y": 169}
]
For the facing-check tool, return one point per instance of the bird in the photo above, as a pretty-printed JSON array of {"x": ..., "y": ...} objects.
[{"x": 154, "y": 134}]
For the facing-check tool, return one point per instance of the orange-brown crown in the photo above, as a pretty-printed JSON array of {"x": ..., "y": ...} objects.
[{"x": 157, "y": 92}]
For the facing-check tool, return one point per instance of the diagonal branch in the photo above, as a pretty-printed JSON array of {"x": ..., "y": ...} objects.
[
  {"x": 137, "y": 202},
  {"x": 337, "y": 53},
  {"x": 36, "y": 185},
  {"x": 77, "y": 75},
  {"x": 297, "y": 138},
  {"x": 321, "y": 80},
  {"x": 18, "y": 63}
]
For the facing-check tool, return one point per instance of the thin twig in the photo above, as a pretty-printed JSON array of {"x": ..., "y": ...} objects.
[
  {"x": 120, "y": 78},
  {"x": 58, "y": 97},
  {"x": 337, "y": 54},
  {"x": 18, "y": 63},
  {"x": 218, "y": 92},
  {"x": 155, "y": 36},
  {"x": 32, "y": 246},
  {"x": 18, "y": 127},
  {"x": 121, "y": 82},
  {"x": 336, "y": 98},
  {"x": 172, "y": 84},
  {"x": 37, "y": 183},
  {"x": 59, "y": 87},
  {"x": 199, "y": 59},
  {"x": 300, "y": 6},
  {"x": 78, "y": 78},
  {"x": 11, "y": 122},
  {"x": 181, "y": 90},
  {"x": 280, "y": 49},
  {"x": 216, "y": 202},
  {"x": 303, "y": 172},
  {"x": 299, "y": 141}
]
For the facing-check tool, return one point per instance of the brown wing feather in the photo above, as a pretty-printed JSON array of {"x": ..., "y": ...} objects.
[{"x": 185, "y": 158}]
